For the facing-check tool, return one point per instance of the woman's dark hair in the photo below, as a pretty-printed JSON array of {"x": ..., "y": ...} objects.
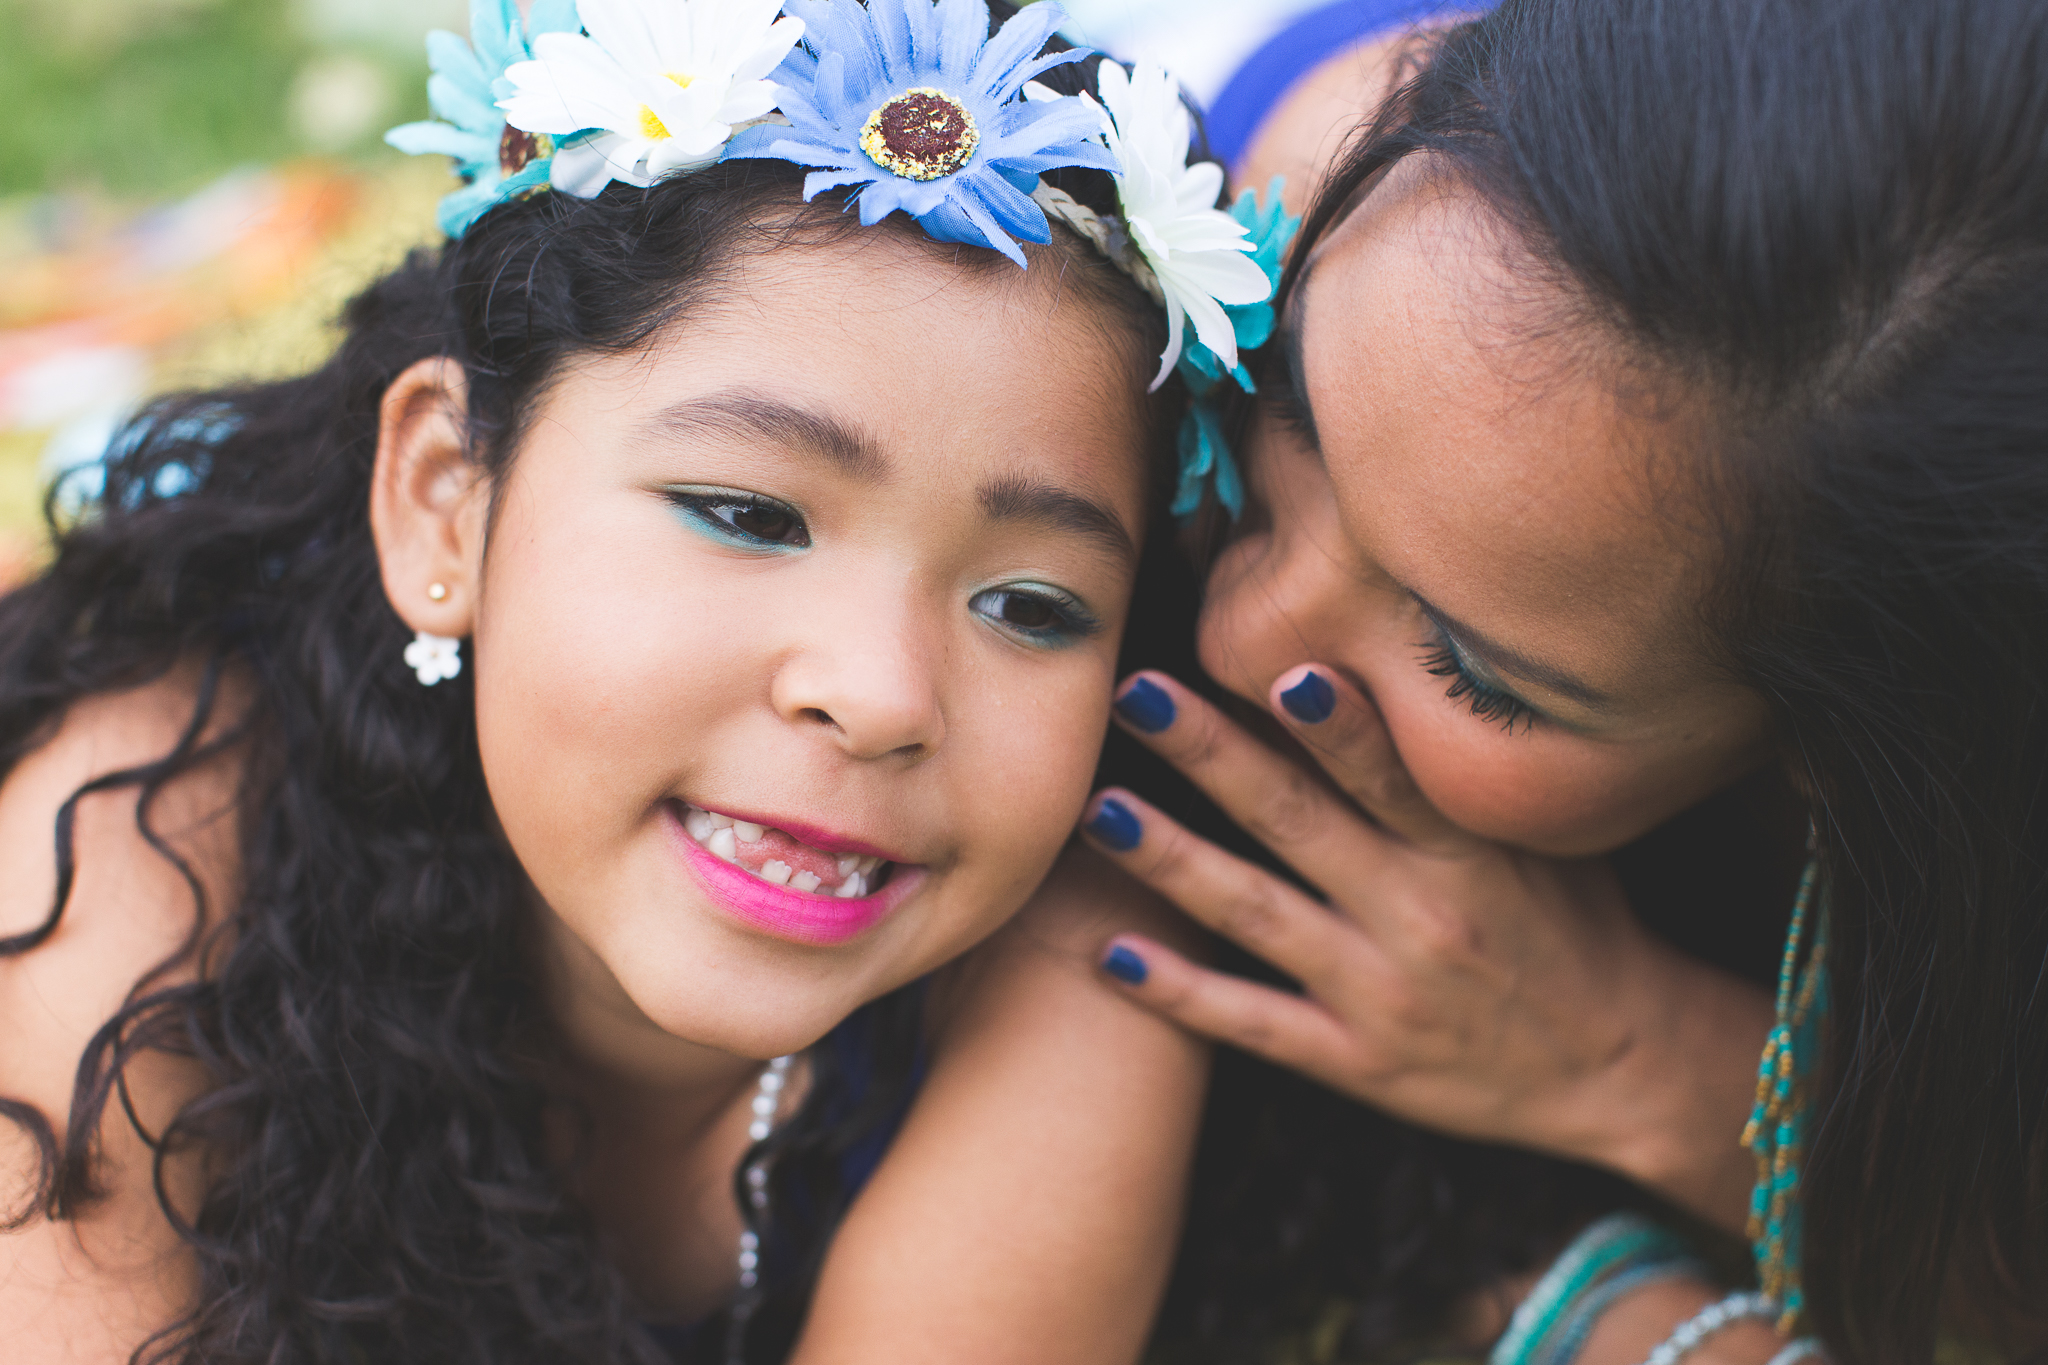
[
  {"x": 1829, "y": 221},
  {"x": 364, "y": 1009}
]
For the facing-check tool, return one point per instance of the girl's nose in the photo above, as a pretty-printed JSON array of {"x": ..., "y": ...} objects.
[{"x": 876, "y": 690}]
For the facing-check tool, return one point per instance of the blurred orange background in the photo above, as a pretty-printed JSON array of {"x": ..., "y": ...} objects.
[{"x": 193, "y": 189}]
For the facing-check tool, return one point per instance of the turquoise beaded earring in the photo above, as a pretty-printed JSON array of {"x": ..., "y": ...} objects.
[{"x": 1777, "y": 1130}]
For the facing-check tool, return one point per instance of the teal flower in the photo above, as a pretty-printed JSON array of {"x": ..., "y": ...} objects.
[
  {"x": 919, "y": 109},
  {"x": 496, "y": 161},
  {"x": 1204, "y": 453}
]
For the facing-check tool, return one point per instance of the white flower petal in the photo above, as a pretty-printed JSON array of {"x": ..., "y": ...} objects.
[
  {"x": 1212, "y": 324},
  {"x": 679, "y": 154},
  {"x": 1175, "y": 329},
  {"x": 630, "y": 31},
  {"x": 1201, "y": 185},
  {"x": 571, "y": 85},
  {"x": 768, "y": 54},
  {"x": 746, "y": 100},
  {"x": 585, "y": 168},
  {"x": 1227, "y": 276}
]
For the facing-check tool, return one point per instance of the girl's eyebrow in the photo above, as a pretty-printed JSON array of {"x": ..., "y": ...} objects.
[
  {"x": 1019, "y": 499},
  {"x": 748, "y": 413}
]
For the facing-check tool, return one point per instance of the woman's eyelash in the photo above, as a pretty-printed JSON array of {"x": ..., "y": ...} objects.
[
  {"x": 746, "y": 518},
  {"x": 1286, "y": 405},
  {"x": 1440, "y": 657}
]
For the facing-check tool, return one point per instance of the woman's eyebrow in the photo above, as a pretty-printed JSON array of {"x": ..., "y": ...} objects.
[
  {"x": 1507, "y": 661},
  {"x": 1020, "y": 499},
  {"x": 746, "y": 413}
]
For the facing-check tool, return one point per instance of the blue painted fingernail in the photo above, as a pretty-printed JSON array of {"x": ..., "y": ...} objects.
[
  {"x": 1311, "y": 700},
  {"x": 1147, "y": 706},
  {"x": 1125, "y": 965},
  {"x": 1115, "y": 826}
]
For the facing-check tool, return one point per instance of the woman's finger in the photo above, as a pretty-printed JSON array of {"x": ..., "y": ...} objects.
[
  {"x": 1343, "y": 729},
  {"x": 1277, "y": 800},
  {"x": 1245, "y": 904},
  {"x": 1285, "y": 1029}
]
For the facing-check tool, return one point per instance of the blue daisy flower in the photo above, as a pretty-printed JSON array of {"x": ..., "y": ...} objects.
[
  {"x": 916, "y": 105},
  {"x": 1204, "y": 453},
  {"x": 497, "y": 161}
]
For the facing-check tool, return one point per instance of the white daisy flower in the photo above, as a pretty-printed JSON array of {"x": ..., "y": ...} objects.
[
  {"x": 1199, "y": 253},
  {"x": 664, "y": 80}
]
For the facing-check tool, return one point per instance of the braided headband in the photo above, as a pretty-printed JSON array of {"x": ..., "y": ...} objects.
[{"x": 912, "y": 105}]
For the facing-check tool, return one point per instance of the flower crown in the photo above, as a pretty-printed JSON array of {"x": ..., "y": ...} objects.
[{"x": 911, "y": 104}]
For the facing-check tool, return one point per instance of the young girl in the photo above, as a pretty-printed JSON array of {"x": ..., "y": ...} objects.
[{"x": 517, "y": 792}]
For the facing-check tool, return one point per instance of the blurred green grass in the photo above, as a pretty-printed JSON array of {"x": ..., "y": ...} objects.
[{"x": 149, "y": 98}]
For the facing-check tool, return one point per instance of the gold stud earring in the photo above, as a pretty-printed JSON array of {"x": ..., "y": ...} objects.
[{"x": 438, "y": 591}]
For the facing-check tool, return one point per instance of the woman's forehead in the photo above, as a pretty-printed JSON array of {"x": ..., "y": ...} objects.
[{"x": 1483, "y": 450}]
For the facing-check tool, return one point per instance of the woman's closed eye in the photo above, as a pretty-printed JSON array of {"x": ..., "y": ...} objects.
[
  {"x": 1036, "y": 613},
  {"x": 1443, "y": 659},
  {"x": 1284, "y": 401},
  {"x": 746, "y": 519}
]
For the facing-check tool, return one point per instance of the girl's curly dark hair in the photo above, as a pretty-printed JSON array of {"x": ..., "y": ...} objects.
[{"x": 378, "y": 1189}]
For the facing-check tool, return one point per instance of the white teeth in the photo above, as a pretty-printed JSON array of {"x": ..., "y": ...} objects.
[{"x": 723, "y": 835}]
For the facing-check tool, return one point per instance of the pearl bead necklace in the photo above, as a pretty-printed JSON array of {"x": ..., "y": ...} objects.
[{"x": 767, "y": 1103}]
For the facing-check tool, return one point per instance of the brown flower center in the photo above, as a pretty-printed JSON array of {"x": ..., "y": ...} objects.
[
  {"x": 921, "y": 134},
  {"x": 518, "y": 149}
]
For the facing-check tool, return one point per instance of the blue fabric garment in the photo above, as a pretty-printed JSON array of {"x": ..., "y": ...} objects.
[{"x": 1266, "y": 77}]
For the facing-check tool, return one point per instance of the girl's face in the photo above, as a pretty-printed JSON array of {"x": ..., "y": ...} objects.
[
  {"x": 1458, "y": 512},
  {"x": 795, "y": 637}
]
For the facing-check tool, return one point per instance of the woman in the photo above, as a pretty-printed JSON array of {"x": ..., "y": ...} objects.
[{"x": 1658, "y": 426}]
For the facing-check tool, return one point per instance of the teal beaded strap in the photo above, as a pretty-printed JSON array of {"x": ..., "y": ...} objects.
[
  {"x": 1616, "y": 1244},
  {"x": 1777, "y": 1127},
  {"x": 1571, "y": 1337}
]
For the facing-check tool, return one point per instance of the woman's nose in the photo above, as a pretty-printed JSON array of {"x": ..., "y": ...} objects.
[{"x": 876, "y": 690}]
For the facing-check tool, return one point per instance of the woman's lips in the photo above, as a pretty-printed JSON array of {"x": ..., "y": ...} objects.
[{"x": 787, "y": 887}]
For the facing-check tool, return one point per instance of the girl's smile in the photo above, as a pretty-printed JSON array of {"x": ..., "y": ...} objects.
[{"x": 821, "y": 889}]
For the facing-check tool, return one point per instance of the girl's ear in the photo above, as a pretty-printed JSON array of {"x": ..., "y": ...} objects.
[{"x": 428, "y": 501}]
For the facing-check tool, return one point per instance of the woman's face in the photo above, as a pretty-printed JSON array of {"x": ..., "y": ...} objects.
[
  {"x": 1460, "y": 509},
  {"x": 796, "y": 636}
]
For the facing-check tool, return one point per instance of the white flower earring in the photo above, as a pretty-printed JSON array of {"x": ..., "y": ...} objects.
[{"x": 435, "y": 658}]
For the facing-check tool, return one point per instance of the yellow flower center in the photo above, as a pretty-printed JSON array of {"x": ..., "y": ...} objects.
[
  {"x": 651, "y": 126},
  {"x": 921, "y": 134}
]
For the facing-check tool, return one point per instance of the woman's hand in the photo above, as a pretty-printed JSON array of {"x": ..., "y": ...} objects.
[{"x": 1457, "y": 983}]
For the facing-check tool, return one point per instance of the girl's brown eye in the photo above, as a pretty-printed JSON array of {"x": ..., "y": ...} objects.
[
  {"x": 1044, "y": 617},
  {"x": 742, "y": 519},
  {"x": 1027, "y": 613},
  {"x": 775, "y": 524}
]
